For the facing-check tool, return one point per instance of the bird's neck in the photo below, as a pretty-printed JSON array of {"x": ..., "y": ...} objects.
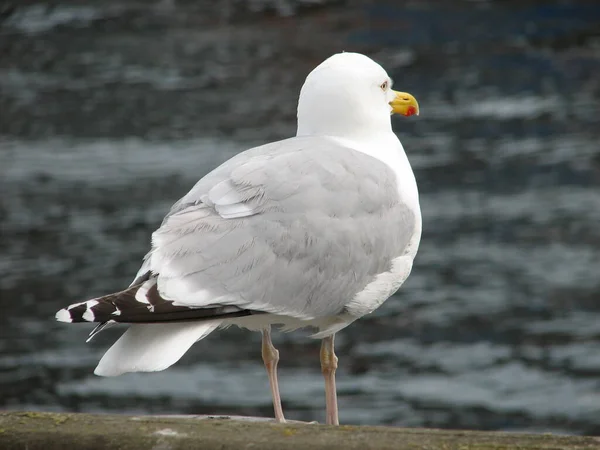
[{"x": 352, "y": 123}]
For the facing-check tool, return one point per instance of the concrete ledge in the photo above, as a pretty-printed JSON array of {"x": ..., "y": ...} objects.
[{"x": 51, "y": 431}]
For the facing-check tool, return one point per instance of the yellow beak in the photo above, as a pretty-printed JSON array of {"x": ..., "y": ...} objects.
[{"x": 404, "y": 104}]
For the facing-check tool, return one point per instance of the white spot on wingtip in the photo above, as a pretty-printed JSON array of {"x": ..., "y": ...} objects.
[
  {"x": 116, "y": 313},
  {"x": 63, "y": 316},
  {"x": 88, "y": 315}
]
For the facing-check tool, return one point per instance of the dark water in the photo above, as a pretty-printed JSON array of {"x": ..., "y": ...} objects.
[{"x": 111, "y": 110}]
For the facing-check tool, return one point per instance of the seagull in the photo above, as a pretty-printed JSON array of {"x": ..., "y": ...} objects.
[{"x": 313, "y": 231}]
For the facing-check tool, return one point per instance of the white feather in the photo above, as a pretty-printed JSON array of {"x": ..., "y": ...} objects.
[
  {"x": 63, "y": 316},
  {"x": 140, "y": 295},
  {"x": 152, "y": 347},
  {"x": 224, "y": 193},
  {"x": 235, "y": 211},
  {"x": 88, "y": 315}
]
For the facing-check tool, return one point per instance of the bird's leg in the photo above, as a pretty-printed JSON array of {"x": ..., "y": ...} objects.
[
  {"x": 328, "y": 365},
  {"x": 270, "y": 357}
]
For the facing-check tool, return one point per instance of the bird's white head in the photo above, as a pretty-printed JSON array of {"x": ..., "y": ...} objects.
[{"x": 350, "y": 94}]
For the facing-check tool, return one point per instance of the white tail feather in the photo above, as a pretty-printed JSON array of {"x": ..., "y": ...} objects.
[{"x": 152, "y": 347}]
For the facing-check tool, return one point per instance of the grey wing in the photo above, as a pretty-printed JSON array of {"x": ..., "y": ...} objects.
[
  {"x": 223, "y": 172},
  {"x": 295, "y": 228},
  {"x": 198, "y": 193}
]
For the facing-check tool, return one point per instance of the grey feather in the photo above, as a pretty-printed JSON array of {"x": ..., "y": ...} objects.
[{"x": 295, "y": 228}]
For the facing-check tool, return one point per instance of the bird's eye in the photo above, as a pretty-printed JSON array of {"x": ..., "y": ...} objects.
[{"x": 384, "y": 86}]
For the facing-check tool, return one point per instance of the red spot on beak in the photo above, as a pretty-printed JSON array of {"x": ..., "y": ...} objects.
[{"x": 411, "y": 111}]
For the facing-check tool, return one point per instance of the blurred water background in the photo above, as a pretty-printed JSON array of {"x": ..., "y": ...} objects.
[{"x": 111, "y": 110}]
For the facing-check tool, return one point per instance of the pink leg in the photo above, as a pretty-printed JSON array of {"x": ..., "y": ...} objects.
[
  {"x": 328, "y": 365},
  {"x": 270, "y": 357}
]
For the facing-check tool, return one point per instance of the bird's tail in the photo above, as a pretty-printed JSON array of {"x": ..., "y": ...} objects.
[
  {"x": 152, "y": 347},
  {"x": 160, "y": 332}
]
